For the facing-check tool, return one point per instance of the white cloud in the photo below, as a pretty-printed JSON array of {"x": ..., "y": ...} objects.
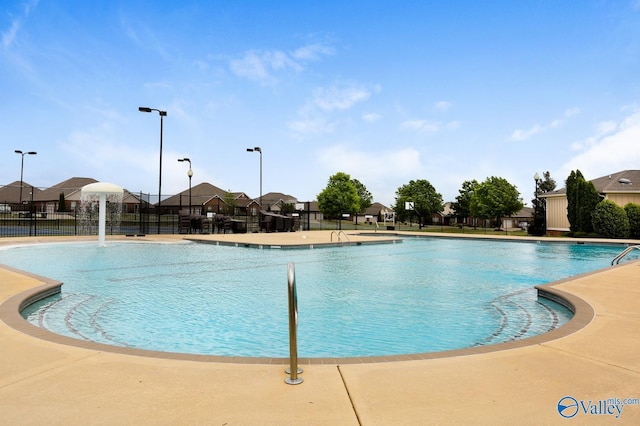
[
  {"x": 143, "y": 36},
  {"x": 570, "y": 112},
  {"x": 310, "y": 125},
  {"x": 614, "y": 150},
  {"x": 523, "y": 135},
  {"x": 9, "y": 36},
  {"x": 443, "y": 106},
  {"x": 201, "y": 65},
  {"x": 371, "y": 166},
  {"x": 370, "y": 117},
  {"x": 379, "y": 171},
  {"x": 603, "y": 128},
  {"x": 263, "y": 65},
  {"x": 519, "y": 135},
  {"x": 340, "y": 98},
  {"x": 312, "y": 52},
  {"x": 421, "y": 126},
  {"x": 312, "y": 115},
  {"x": 606, "y": 127}
]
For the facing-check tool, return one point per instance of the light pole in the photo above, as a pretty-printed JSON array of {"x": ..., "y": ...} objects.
[
  {"x": 258, "y": 149},
  {"x": 190, "y": 174},
  {"x": 536, "y": 213},
  {"x": 23, "y": 153},
  {"x": 162, "y": 114}
]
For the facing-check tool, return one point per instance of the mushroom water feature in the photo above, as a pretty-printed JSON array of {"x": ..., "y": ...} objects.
[{"x": 101, "y": 191}]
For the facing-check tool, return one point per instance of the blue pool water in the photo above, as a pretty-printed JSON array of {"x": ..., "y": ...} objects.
[{"x": 421, "y": 295}]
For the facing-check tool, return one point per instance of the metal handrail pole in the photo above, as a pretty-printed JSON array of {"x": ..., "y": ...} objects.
[
  {"x": 293, "y": 369},
  {"x": 623, "y": 254}
]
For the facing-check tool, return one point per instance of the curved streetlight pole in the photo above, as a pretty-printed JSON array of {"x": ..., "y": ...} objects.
[
  {"x": 190, "y": 174},
  {"x": 162, "y": 114},
  {"x": 23, "y": 153}
]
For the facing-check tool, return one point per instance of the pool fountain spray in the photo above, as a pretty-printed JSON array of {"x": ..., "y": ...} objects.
[{"x": 100, "y": 191}]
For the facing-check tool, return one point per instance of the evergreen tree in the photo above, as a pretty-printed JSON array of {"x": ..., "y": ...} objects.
[
  {"x": 230, "y": 203},
  {"x": 546, "y": 184},
  {"x": 572, "y": 199},
  {"x": 633, "y": 213},
  {"x": 582, "y": 199},
  {"x": 610, "y": 220},
  {"x": 61, "y": 204}
]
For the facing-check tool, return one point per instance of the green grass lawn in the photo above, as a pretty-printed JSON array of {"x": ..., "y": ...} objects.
[{"x": 349, "y": 226}]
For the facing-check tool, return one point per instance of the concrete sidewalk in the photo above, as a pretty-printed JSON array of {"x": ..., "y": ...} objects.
[{"x": 42, "y": 381}]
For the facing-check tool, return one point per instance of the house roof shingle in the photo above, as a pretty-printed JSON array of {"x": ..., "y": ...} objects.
[
  {"x": 623, "y": 181},
  {"x": 10, "y": 193},
  {"x": 66, "y": 187}
]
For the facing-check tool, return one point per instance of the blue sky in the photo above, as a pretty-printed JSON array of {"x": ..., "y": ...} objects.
[{"x": 387, "y": 91}]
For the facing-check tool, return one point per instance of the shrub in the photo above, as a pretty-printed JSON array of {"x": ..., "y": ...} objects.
[
  {"x": 633, "y": 214},
  {"x": 610, "y": 220}
]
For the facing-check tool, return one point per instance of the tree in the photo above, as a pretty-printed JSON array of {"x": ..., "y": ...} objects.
[
  {"x": 495, "y": 198},
  {"x": 610, "y": 220},
  {"x": 366, "y": 199},
  {"x": 426, "y": 201},
  {"x": 546, "y": 184},
  {"x": 582, "y": 199},
  {"x": 572, "y": 199},
  {"x": 462, "y": 205},
  {"x": 61, "y": 204},
  {"x": 287, "y": 208},
  {"x": 340, "y": 196},
  {"x": 633, "y": 213},
  {"x": 231, "y": 203}
]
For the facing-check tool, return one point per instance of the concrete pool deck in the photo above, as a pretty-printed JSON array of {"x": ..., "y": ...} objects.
[{"x": 47, "y": 382}]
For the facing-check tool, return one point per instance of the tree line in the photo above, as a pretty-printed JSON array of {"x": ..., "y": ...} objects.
[
  {"x": 417, "y": 200},
  {"x": 494, "y": 198}
]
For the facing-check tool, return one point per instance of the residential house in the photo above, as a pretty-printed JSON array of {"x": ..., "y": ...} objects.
[
  {"x": 445, "y": 217},
  {"x": 206, "y": 198},
  {"x": 273, "y": 201},
  {"x": 374, "y": 214},
  {"x": 10, "y": 196},
  {"x": 48, "y": 201},
  {"x": 622, "y": 188},
  {"x": 520, "y": 219}
]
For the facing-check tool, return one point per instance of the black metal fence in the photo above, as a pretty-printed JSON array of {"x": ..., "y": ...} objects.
[
  {"x": 61, "y": 224},
  {"x": 133, "y": 218},
  {"x": 135, "y": 215}
]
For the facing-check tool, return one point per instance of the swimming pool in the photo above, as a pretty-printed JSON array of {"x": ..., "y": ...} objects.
[{"x": 421, "y": 295}]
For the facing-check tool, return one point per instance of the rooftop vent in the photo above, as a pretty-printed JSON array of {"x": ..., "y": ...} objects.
[{"x": 624, "y": 181}]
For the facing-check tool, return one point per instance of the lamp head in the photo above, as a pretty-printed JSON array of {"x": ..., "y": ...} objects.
[{"x": 144, "y": 109}]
